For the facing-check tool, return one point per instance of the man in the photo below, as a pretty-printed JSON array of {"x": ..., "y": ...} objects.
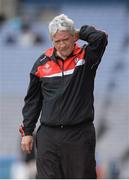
[{"x": 61, "y": 89}]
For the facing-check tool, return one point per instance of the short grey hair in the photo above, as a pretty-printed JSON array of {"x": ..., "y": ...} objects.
[{"x": 61, "y": 23}]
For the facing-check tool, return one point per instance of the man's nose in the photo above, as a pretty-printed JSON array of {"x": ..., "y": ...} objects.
[{"x": 62, "y": 44}]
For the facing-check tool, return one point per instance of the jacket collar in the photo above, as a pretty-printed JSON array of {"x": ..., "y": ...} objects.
[{"x": 51, "y": 52}]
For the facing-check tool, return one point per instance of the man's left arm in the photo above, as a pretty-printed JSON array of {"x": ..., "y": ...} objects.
[{"x": 97, "y": 41}]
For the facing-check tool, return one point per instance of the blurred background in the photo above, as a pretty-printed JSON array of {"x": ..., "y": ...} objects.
[{"x": 24, "y": 37}]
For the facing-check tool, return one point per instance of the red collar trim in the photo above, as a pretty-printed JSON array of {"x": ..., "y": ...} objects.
[{"x": 50, "y": 51}]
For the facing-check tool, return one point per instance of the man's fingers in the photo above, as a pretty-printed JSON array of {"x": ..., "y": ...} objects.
[
  {"x": 27, "y": 144},
  {"x": 26, "y": 147}
]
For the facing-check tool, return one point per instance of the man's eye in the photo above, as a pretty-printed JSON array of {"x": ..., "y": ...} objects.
[{"x": 56, "y": 42}]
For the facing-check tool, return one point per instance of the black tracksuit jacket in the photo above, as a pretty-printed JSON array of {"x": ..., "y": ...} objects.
[{"x": 61, "y": 91}]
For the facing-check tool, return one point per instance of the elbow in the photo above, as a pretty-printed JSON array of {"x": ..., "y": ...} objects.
[{"x": 105, "y": 38}]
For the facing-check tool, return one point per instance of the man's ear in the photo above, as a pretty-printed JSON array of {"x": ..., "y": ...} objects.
[{"x": 76, "y": 35}]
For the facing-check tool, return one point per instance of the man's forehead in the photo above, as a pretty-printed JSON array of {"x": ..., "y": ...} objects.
[{"x": 61, "y": 34}]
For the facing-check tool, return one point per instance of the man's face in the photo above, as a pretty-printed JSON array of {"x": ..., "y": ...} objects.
[{"x": 63, "y": 41}]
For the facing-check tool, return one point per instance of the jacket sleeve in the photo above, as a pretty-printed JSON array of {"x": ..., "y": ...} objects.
[
  {"x": 33, "y": 104},
  {"x": 97, "y": 41}
]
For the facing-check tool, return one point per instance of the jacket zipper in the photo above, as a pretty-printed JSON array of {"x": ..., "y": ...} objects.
[{"x": 62, "y": 70}]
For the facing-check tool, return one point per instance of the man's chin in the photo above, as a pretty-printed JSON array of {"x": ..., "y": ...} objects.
[{"x": 65, "y": 55}]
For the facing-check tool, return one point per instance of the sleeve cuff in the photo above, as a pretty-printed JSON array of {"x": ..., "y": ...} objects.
[{"x": 23, "y": 132}]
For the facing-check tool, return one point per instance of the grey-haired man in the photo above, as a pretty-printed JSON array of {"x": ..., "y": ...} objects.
[{"x": 61, "y": 90}]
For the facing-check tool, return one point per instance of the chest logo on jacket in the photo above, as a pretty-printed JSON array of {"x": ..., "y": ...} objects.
[
  {"x": 76, "y": 60},
  {"x": 46, "y": 68}
]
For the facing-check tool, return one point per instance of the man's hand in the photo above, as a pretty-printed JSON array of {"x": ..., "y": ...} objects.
[{"x": 27, "y": 143}]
